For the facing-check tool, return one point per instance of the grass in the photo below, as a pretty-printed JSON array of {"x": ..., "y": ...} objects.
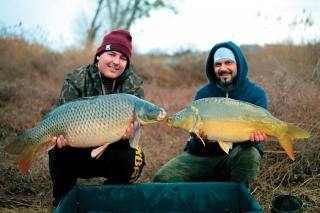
[{"x": 31, "y": 76}]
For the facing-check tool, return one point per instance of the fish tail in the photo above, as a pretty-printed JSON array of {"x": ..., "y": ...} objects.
[
  {"x": 292, "y": 133},
  {"x": 25, "y": 159},
  {"x": 286, "y": 143},
  {"x": 20, "y": 146},
  {"x": 297, "y": 132},
  {"x": 16, "y": 146}
]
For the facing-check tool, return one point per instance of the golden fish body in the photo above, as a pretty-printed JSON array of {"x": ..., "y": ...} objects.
[
  {"x": 230, "y": 121},
  {"x": 87, "y": 122}
]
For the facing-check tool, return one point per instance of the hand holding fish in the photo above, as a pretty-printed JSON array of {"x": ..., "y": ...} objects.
[
  {"x": 257, "y": 136},
  {"x": 59, "y": 141},
  {"x": 128, "y": 133},
  {"x": 203, "y": 136}
]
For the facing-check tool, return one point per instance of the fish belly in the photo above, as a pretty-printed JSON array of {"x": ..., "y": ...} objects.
[
  {"x": 227, "y": 131},
  {"x": 96, "y": 134}
]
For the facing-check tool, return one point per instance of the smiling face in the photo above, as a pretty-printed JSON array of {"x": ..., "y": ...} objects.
[
  {"x": 112, "y": 63},
  {"x": 226, "y": 71}
]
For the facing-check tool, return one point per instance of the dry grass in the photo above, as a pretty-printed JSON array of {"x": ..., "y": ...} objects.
[{"x": 31, "y": 77}]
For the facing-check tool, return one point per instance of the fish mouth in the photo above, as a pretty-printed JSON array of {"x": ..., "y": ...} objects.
[
  {"x": 162, "y": 115},
  {"x": 169, "y": 123}
]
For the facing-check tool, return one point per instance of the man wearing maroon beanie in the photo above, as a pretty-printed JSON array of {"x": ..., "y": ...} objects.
[{"x": 110, "y": 72}]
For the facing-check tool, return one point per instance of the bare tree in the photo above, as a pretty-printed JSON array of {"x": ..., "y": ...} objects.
[{"x": 114, "y": 14}]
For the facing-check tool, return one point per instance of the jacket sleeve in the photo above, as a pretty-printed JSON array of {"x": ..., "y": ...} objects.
[
  {"x": 260, "y": 97},
  {"x": 133, "y": 85},
  {"x": 69, "y": 91},
  {"x": 139, "y": 92}
]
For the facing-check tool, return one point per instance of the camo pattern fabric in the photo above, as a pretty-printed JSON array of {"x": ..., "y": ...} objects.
[
  {"x": 86, "y": 82},
  {"x": 241, "y": 165}
]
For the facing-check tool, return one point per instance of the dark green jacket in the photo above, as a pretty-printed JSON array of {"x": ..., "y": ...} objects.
[{"x": 85, "y": 82}]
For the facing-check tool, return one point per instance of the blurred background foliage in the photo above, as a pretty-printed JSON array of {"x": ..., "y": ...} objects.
[{"x": 31, "y": 76}]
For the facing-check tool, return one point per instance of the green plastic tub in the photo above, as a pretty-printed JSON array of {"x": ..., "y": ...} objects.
[
  {"x": 160, "y": 197},
  {"x": 286, "y": 204}
]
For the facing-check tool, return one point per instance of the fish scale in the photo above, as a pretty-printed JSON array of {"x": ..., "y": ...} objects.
[
  {"x": 87, "y": 122},
  {"x": 92, "y": 128}
]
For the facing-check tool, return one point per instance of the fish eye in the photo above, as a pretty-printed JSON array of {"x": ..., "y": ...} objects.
[{"x": 151, "y": 108}]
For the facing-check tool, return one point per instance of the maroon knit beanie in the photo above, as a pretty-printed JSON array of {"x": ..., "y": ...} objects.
[{"x": 117, "y": 40}]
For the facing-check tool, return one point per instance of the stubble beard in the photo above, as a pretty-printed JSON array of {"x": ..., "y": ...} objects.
[{"x": 225, "y": 82}]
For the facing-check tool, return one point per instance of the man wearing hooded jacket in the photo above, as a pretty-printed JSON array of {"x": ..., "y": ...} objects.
[{"x": 227, "y": 70}]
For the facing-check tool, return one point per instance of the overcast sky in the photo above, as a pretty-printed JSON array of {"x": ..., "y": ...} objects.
[{"x": 199, "y": 25}]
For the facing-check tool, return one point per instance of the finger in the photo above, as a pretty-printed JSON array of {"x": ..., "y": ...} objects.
[
  {"x": 265, "y": 137},
  {"x": 54, "y": 140},
  {"x": 130, "y": 127},
  {"x": 124, "y": 137},
  {"x": 258, "y": 136},
  {"x": 129, "y": 130},
  {"x": 59, "y": 143},
  {"x": 63, "y": 142},
  {"x": 204, "y": 136},
  {"x": 252, "y": 136},
  {"x": 126, "y": 134}
]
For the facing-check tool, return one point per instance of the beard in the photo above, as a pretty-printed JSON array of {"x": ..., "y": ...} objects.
[{"x": 225, "y": 82}]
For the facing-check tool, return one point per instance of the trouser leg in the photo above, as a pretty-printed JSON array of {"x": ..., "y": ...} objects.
[
  {"x": 122, "y": 163},
  {"x": 185, "y": 167},
  {"x": 62, "y": 165},
  {"x": 244, "y": 165},
  {"x": 241, "y": 165},
  {"x": 119, "y": 163}
]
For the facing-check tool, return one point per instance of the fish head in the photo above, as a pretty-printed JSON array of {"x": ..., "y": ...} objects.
[
  {"x": 147, "y": 113},
  {"x": 184, "y": 120}
]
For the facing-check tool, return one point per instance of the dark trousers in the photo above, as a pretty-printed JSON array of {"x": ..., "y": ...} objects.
[
  {"x": 241, "y": 165},
  {"x": 119, "y": 163}
]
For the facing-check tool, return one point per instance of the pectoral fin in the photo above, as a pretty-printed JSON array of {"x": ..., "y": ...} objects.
[
  {"x": 135, "y": 137},
  {"x": 51, "y": 147},
  {"x": 225, "y": 146},
  {"x": 97, "y": 152},
  {"x": 197, "y": 134},
  {"x": 229, "y": 144}
]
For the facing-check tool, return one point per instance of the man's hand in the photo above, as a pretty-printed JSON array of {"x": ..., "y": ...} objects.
[
  {"x": 257, "y": 136},
  {"x": 129, "y": 131},
  {"x": 59, "y": 141},
  {"x": 203, "y": 136}
]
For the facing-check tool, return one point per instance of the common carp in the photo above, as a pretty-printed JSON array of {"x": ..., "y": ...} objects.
[
  {"x": 230, "y": 121},
  {"x": 87, "y": 122}
]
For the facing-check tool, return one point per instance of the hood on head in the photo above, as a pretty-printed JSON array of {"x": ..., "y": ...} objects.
[{"x": 242, "y": 65}]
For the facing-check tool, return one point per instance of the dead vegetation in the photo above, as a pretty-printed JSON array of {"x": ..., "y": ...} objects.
[{"x": 31, "y": 77}]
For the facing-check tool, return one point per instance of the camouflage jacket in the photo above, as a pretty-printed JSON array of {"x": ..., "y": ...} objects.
[{"x": 85, "y": 82}]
